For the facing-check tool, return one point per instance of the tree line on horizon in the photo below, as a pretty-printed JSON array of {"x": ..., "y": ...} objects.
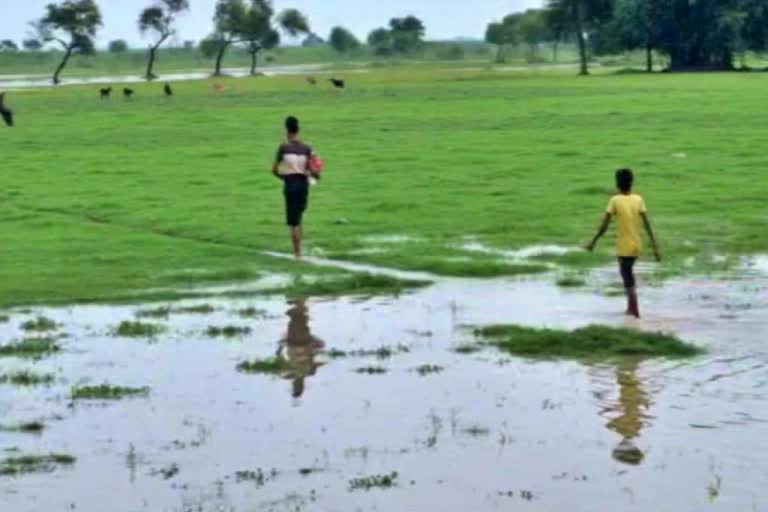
[
  {"x": 692, "y": 35},
  {"x": 705, "y": 34}
]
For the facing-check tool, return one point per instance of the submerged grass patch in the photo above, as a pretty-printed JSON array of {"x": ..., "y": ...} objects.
[
  {"x": 571, "y": 281},
  {"x": 269, "y": 366},
  {"x": 106, "y": 392},
  {"x": 26, "y": 378},
  {"x": 252, "y": 312},
  {"x": 593, "y": 342},
  {"x": 39, "y": 324},
  {"x": 372, "y": 482},
  {"x": 30, "y": 347},
  {"x": 30, "y": 427},
  {"x": 25, "y": 464},
  {"x": 357, "y": 284},
  {"x": 228, "y": 331},
  {"x": 384, "y": 352},
  {"x": 427, "y": 369},
  {"x": 131, "y": 329}
]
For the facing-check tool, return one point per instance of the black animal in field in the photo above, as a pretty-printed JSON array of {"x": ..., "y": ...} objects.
[
  {"x": 105, "y": 92},
  {"x": 339, "y": 84},
  {"x": 168, "y": 91},
  {"x": 5, "y": 112},
  {"x": 127, "y": 93},
  {"x": 311, "y": 80}
]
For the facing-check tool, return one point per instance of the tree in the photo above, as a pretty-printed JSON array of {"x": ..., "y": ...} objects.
[
  {"x": 160, "y": 19},
  {"x": 312, "y": 40},
  {"x": 7, "y": 45},
  {"x": 118, "y": 46},
  {"x": 533, "y": 30},
  {"x": 72, "y": 24},
  {"x": 407, "y": 34},
  {"x": 502, "y": 34},
  {"x": 342, "y": 40},
  {"x": 581, "y": 17},
  {"x": 228, "y": 21},
  {"x": 32, "y": 45},
  {"x": 261, "y": 28},
  {"x": 381, "y": 41}
]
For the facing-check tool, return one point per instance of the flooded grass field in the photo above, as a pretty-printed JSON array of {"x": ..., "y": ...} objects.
[{"x": 387, "y": 403}]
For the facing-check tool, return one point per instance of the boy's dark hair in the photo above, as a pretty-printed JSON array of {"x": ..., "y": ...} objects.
[
  {"x": 292, "y": 125},
  {"x": 624, "y": 180}
]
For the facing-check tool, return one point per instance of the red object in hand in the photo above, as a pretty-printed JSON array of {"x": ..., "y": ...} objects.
[{"x": 316, "y": 165}]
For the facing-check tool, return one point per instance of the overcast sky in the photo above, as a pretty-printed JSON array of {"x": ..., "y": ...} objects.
[{"x": 444, "y": 18}]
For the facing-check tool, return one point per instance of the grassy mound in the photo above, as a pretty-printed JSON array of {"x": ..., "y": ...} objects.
[{"x": 593, "y": 342}]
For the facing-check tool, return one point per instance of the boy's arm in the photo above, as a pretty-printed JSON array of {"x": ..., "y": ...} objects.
[
  {"x": 600, "y": 232},
  {"x": 649, "y": 229},
  {"x": 278, "y": 161}
]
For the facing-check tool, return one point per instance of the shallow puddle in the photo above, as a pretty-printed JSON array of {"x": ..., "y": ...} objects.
[{"x": 481, "y": 431}]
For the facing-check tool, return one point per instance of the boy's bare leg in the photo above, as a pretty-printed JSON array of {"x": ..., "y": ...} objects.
[
  {"x": 633, "y": 307},
  {"x": 296, "y": 238}
]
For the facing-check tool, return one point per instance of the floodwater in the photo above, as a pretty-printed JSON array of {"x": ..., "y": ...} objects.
[
  {"x": 487, "y": 433},
  {"x": 38, "y": 80}
]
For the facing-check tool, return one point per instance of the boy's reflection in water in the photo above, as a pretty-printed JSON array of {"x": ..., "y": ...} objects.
[
  {"x": 299, "y": 348},
  {"x": 633, "y": 404}
]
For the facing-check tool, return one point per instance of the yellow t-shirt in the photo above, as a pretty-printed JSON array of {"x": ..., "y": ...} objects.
[{"x": 627, "y": 209}]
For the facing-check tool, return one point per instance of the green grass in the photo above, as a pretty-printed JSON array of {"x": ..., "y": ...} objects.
[
  {"x": 593, "y": 342},
  {"x": 571, "y": 281},
  {"x": 30, "y": 347},
  {"x": 106, "y": 392},
  {"x": 375, "y": 481},
  {"x": 132, "y": 200},
  {"x": 26, "y": 378},
  {"x": 130, "y": 329},
  {"x": 359, "y": 284},
  {"x": 14, "y": 466}
]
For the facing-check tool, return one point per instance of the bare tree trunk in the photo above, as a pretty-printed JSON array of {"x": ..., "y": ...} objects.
[
  {"x": 555, "y": 48},
  {"x": 62, "y": 65},
  {"x": 220, "y": 57},
  {"x": 254, "y": 61},
  {"x": 649, "y": 59},
  {"x": 150, "y": 75}
]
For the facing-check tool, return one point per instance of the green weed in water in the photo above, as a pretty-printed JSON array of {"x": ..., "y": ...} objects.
[
  {"x": 106, "y": 392},
  {"x": 202, "y": 309},
  {"x": 229, "y": 331},
  {"x": 25, "y": 464},
  {"x": 159, "y": 312},
  {"x": 4, "y": 319},
  {"x": 130, "y": 329},
  {"x": 30, "y": 347},
  {"x": 375, "y": 481},
  {"x": 26, "y": 378},
  {"x": 594, "y": 342},
  {"x": 31, "y": 427},
  {"x": 39, "y": 324},
  {"x": 427, "y": 369},
  {"x": 354, "y": 284},
  {"x": 467, "y": 348},
  {"x": 252, "y": 313},
  {"x": 571, "y": 281},
  {"x": 372, "y": 370},
  {"x": 269, "y": 366}
]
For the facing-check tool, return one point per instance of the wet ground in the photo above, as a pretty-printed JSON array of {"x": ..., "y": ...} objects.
[{"x": 480, "y": 431}]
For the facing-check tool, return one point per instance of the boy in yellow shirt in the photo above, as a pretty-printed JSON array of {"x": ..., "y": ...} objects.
[{"x": 629, "y": 209}]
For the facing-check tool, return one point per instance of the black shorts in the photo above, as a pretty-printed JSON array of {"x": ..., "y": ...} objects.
[
  {"x": 296, "y": 191},
  {"x": 627, "y": 270}
]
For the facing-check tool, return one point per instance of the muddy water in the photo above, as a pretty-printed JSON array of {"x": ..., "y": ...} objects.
[{"x": 489, "y": 432}]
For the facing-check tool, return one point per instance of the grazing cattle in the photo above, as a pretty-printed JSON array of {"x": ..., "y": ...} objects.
[
  {"x": 127, "y": 93},
  {"x": 104, "y": 93},
  {"x": 311, "y": 80},
  {"x": 339, "y": 84},
  {"x": 5, "y": 112},
  {"x": 168, "y": 90}
]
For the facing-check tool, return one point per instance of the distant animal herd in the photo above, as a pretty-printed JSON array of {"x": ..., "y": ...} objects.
[{"x": 105, "y": 93}]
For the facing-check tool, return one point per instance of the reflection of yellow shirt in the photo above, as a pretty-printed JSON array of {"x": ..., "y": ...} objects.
[{"x": 627, "y": 209}]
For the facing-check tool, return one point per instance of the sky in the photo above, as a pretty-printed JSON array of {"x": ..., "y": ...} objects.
[{"x": 445, "y": 19}]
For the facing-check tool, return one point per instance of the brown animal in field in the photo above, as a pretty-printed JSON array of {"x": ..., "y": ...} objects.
[
  {"x": 127, "y": 93},
  {"x": 168, "y": 91},
  {"x": 218, "y": 87},
  {"x": 105, "y": 92},
  {"x": 311, "y": 80},
  {"x": 339, "y": 84}
]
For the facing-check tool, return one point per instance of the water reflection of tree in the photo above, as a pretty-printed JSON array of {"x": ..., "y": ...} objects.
[
  {"x": 632, "y": 406},
  {"x": 299, "y": 348}
]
